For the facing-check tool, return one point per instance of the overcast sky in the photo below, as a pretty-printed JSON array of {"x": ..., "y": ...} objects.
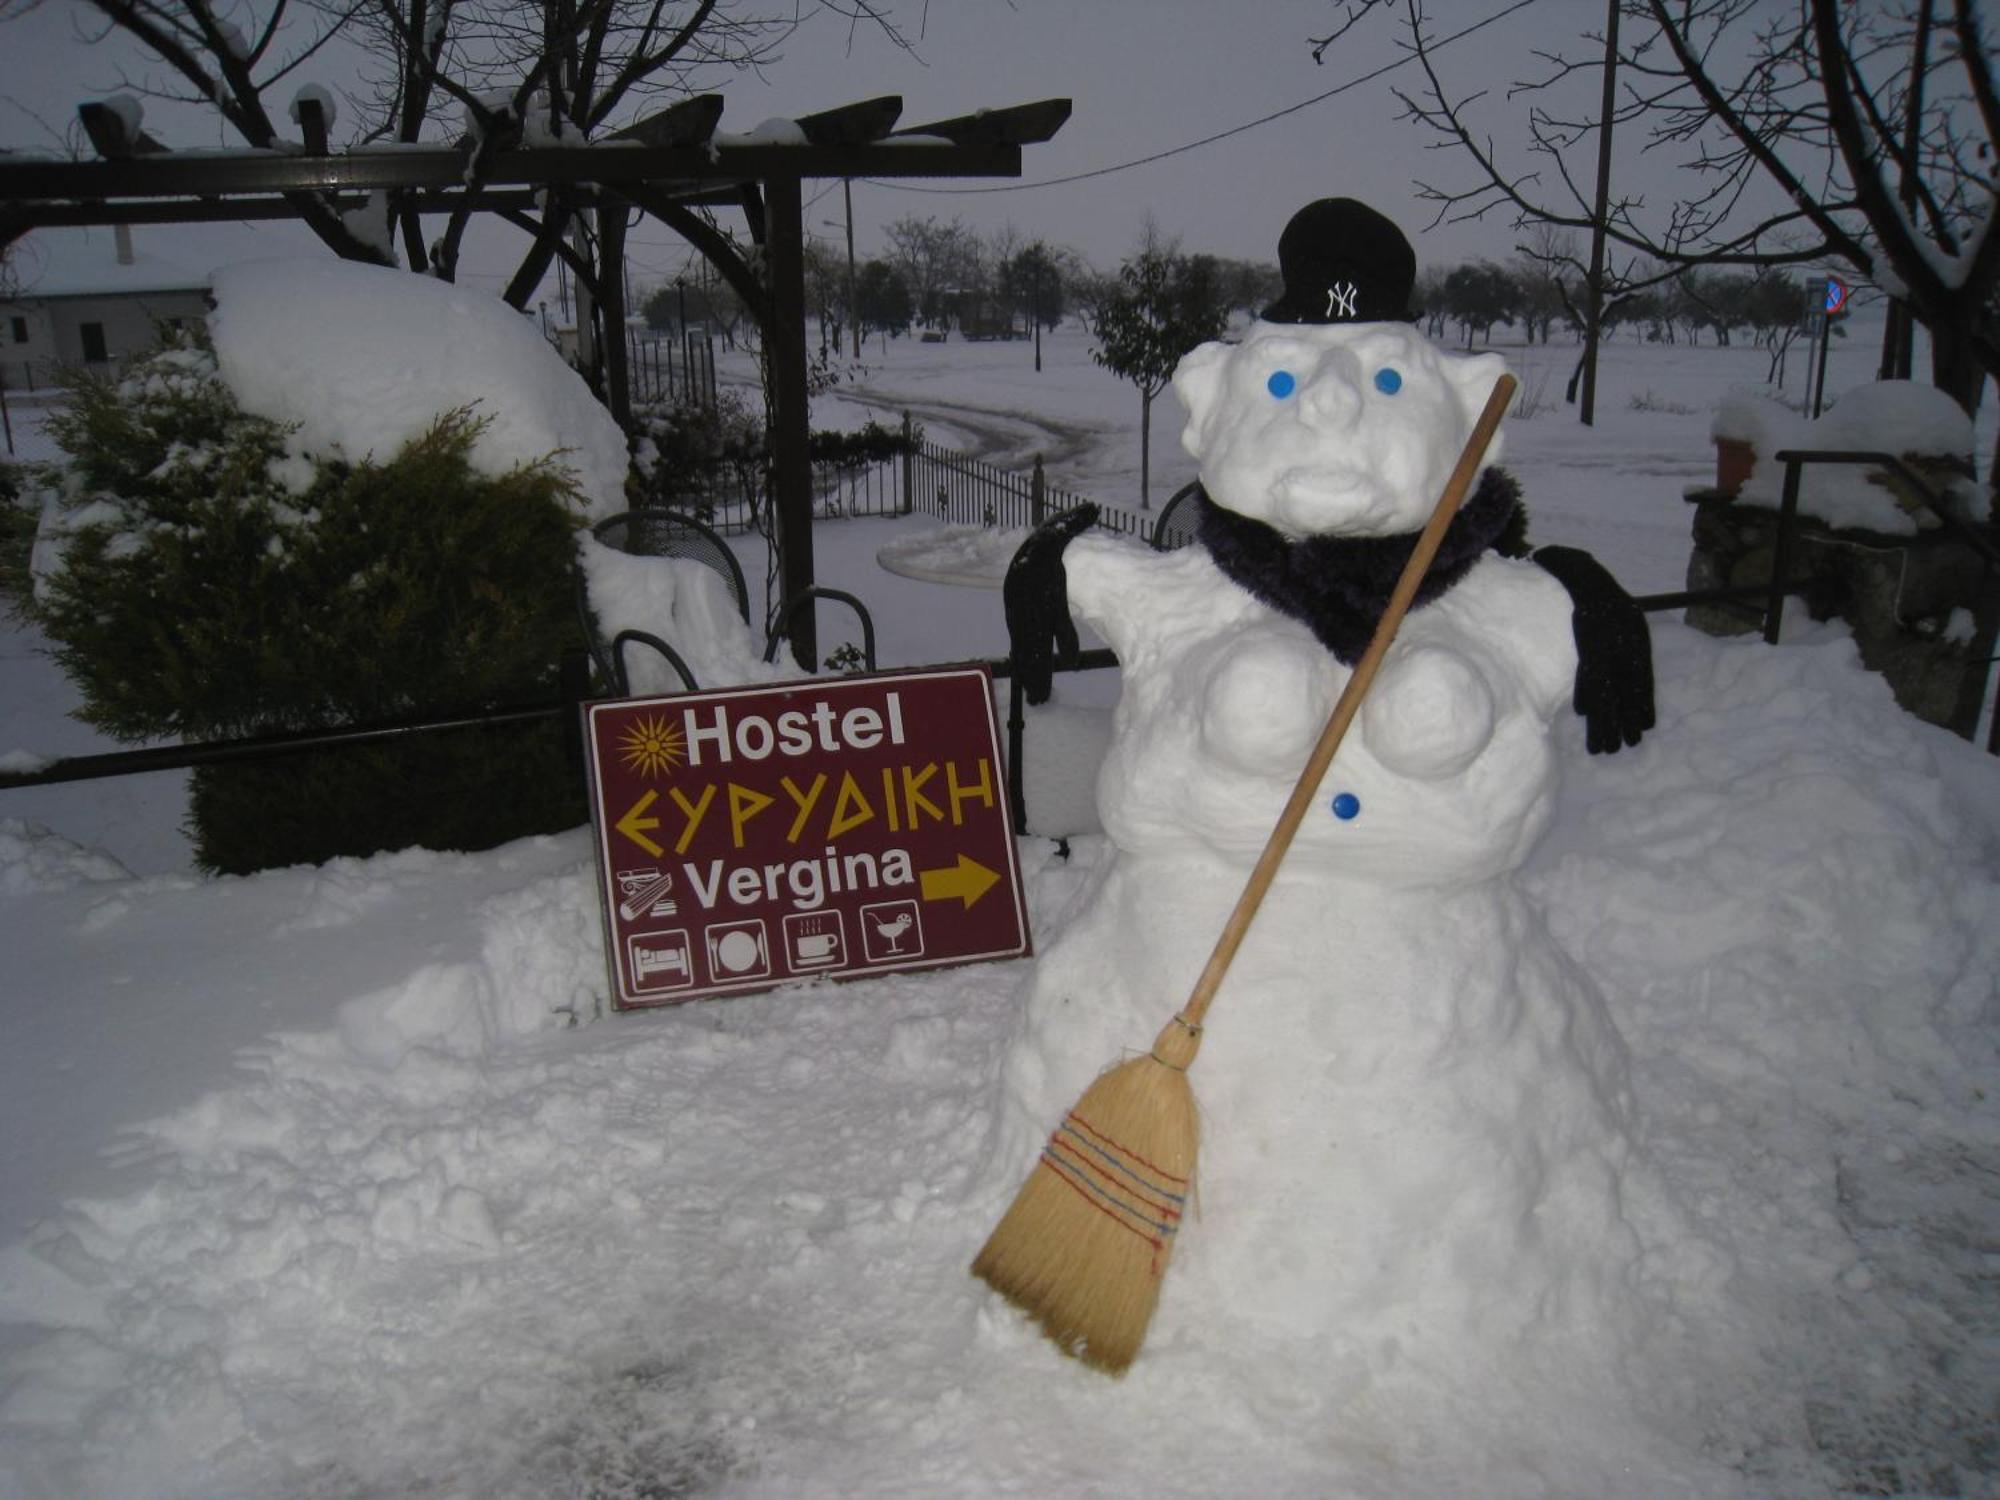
[{"x": 1148, "y": 78}]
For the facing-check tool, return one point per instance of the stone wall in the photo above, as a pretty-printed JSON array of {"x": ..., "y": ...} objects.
[{"x": 1923, "y": 608}]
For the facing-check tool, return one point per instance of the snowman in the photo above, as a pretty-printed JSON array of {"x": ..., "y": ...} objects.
[{"x": 1414, "y": 1108}]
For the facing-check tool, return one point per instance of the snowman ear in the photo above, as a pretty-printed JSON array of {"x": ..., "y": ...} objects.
[
  {"x": 1474, "y": 377},
  {"x": 1197, "y": 382}
]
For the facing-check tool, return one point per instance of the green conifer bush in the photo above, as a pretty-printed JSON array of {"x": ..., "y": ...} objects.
[
  {"x": 17, "y": 533},
  {"x": 218, "y": 584}
]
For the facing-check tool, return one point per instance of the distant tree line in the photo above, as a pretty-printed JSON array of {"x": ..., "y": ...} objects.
[
  {"x": 941, "y": 276},
  {"x": 1159, "y": 303},
  {"x": 1770, "y": 309},
  {"x": 944, "y": 277}
]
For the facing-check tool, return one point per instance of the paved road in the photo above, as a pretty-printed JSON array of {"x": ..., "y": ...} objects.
[{"x": 1008, "y": 439}]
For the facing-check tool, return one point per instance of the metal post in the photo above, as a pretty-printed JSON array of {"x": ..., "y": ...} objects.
[
  {"x": 1819, "y": 379},
  {"x": 1594, "y": 315},
  {"x": 909, "y": 465},
  {"x": 586, "y": 317},
  {"x": 1781, "y": 550},
  {"x": 611, "y": 301},
  {"x": 1038, "y": 493},
  {"x": 1017, "y": 791},
  {"x": 790, "y": 435}
]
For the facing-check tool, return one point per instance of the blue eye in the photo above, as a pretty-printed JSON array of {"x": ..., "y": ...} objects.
[
  {"x": 1281, "y": 384},
  {"x": 1387, "y": 381}
]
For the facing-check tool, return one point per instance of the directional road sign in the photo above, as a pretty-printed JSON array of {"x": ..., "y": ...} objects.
[{"x": 751, "y": 837}]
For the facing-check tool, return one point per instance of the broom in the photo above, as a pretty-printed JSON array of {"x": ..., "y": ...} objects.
[{"x": 1086, "y": 1241}]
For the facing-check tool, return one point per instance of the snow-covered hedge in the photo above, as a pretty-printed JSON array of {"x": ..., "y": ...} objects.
[{"x": 215, "y": 581}]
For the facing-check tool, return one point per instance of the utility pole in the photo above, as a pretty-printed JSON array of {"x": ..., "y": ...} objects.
[
  {"x": 853, "y": 308},
  {"x": 1594, "y": 314},
  {"x": 1035, "y": 299}
]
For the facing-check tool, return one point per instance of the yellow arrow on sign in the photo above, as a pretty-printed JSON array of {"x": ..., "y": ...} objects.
[
  {"x": 966, "y": 881},
  {"x": 634, "y": 821}
]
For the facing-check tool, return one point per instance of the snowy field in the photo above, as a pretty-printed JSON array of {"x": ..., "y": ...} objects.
[{"x": 339, "y": 1183}]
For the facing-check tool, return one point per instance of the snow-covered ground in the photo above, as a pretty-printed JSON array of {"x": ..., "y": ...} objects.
[{"x": 336, "y": 1182}]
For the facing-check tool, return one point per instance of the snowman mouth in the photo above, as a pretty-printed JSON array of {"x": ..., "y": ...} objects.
[{"x": 1322, "y": 501}]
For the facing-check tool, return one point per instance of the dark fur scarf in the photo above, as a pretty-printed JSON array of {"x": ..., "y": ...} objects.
[{"x": 1338, "y": 586}]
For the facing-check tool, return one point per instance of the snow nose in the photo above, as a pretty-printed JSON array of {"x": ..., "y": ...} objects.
[{"x": 1333, "y": 397}]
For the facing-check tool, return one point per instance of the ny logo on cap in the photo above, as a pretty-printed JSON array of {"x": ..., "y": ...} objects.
[{"x": 1340, "y": 299}]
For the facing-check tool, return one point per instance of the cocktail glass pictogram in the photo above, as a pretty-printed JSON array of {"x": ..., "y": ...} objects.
[{"x": 891, "y": 929}]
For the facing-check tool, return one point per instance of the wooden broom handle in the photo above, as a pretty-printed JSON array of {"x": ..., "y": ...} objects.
[{"x": 1307, "y": 788}]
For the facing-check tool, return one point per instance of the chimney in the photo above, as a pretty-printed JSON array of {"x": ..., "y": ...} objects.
[{"x": 123, "y": 232}]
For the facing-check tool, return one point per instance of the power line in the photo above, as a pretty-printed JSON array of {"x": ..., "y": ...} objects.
[{"x": 1208, "y": 140}]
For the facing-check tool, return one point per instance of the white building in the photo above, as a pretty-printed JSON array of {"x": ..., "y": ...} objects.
[{"x": 87, "y": 297}]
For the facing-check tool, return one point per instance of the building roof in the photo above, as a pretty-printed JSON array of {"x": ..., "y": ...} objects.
[{"x": 84, "y": 263}]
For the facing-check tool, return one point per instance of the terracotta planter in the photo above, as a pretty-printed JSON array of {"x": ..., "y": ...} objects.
[{"x": 1734, "y": 459}]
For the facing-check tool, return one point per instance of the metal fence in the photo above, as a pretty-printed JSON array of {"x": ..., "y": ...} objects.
[
  {"x": 932, "y": 480},
  {"x": 967, "y": 491},
  {"x": 839, "y": 490},
  {"x": 663, "y": 368}
]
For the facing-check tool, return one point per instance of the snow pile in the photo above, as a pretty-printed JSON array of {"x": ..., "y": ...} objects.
[
  {"x": 364, "y": 358},
  {"x": 34, "y": 859},
  {"x": 1890, "y": 416},
  {"x": 1818, "y": 1105},
  {"x": 427, "y": 1244},
  {"x": 976, "y": 556},
  {"x": 395, "y": 1224}
]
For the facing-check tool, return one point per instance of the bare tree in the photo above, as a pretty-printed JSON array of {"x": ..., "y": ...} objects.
[
  {"x": 934, "y": 259},
  {"x": 482, "y": 73},
  {"x": 1815, "y": 132}
]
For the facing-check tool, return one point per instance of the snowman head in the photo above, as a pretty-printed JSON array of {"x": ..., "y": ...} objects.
[{"x": 1333, "y": 415}]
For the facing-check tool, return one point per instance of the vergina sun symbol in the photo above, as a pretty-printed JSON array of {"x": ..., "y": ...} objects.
[{"x": 652, "y": 745}]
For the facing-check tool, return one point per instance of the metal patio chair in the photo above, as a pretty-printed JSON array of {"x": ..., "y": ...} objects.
[{"x": 1176, "y": 526}]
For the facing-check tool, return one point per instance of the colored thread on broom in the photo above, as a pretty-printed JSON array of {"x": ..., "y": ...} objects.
[
  {"x": 1083, "y": 1159},
  {"x": 1103, "y": 1139},
  {"x": 1157, "y": 1241},
  {"x": 1103, "y": 1195},
  {"x": 1066, "y": 1150}
]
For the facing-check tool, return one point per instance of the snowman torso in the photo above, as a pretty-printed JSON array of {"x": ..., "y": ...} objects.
[{"x": 1448, "y": 767}]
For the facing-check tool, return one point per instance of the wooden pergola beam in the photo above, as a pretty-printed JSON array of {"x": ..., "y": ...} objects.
[
  {"x": 852, "y": 124},
  {"x": 1016, "y": 125},
  {"x": 243, "y": 173},
  {"x": 688, "y": 123}
]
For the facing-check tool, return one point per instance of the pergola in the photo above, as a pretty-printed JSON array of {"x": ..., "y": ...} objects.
[{"x": 667, "y": 165}]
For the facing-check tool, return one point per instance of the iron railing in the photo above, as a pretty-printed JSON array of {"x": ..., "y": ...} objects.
[
  {"x": 1023, "y": 494},
  {"x": 1781, "y": 585}
]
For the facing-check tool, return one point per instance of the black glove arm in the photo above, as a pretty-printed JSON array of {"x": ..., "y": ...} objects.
[
  {"x": 1035, "y": 593},
  {"x": 1614, "y": 650}
]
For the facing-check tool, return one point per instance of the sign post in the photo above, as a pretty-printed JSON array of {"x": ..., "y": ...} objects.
[
  {"x": 752, "y": 837},
  {"x": 1836, "y": 303}
]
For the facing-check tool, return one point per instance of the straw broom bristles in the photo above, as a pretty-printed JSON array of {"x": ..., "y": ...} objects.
[
  {"x": 1088, "y": 1237},
  {"x": 1086, "y": 1242}
]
